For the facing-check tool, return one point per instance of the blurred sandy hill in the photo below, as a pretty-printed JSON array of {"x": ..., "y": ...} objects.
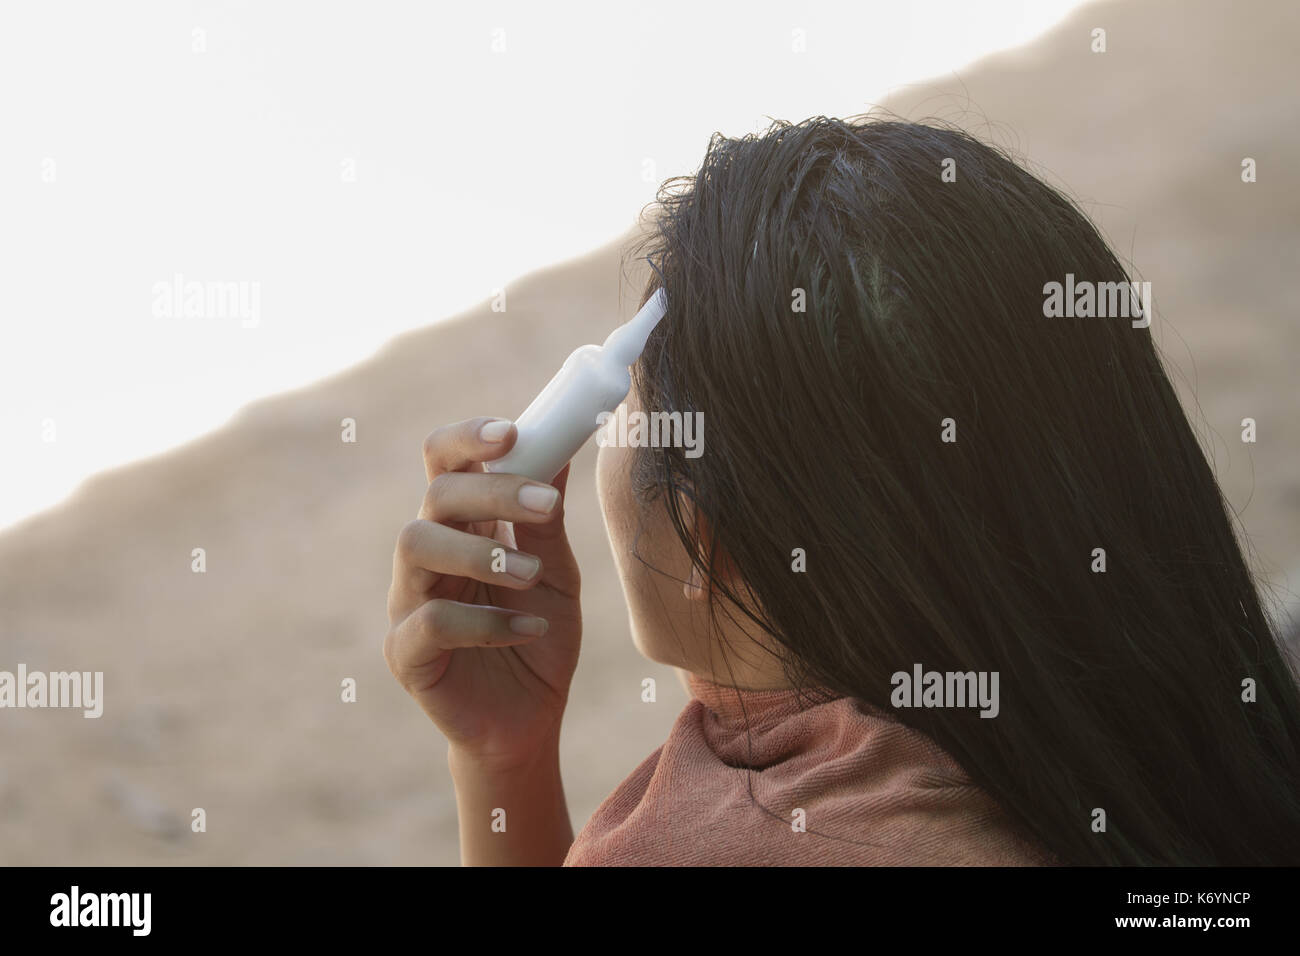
[{"x": 223, "y": 688}]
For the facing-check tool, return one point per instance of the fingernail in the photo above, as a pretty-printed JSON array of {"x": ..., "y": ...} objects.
[
  {"x": 495, "y": 430},
  {"x": 521, "y": 566},
  {"x": 531, "y": 626},
  {"x": 539, "y": 498}
]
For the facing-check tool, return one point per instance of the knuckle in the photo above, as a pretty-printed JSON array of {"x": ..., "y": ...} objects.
[
  {"x": 500, "y": 493},
  {"x": 433, "y": 618},
  {"x": 436, "y": 494},
  {"x": 408, "y": 540},
  {"x": 433, "y": 443},
  {"x": 394, "y": 646},
  {"x": 389, "y": 649}
]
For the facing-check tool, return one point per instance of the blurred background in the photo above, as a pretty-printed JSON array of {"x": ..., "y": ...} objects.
[{"x": 404, "y": 214}]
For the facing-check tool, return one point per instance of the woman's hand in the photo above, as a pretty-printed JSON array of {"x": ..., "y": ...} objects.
[{"x": 483, "y": 612}]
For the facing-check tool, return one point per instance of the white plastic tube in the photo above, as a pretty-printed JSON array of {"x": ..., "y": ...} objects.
[{"x": 594, "y": 379}]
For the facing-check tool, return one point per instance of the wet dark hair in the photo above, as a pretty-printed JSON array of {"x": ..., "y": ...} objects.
[{"x": 1120, "y": 690}]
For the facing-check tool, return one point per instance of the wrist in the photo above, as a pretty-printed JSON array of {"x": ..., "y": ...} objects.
[
  {"x": 511, "y": 806},
  {"x": 497, "y": 763}
]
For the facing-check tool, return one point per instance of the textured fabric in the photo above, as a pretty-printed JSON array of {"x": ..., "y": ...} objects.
[{"x": 873, "y": 792}]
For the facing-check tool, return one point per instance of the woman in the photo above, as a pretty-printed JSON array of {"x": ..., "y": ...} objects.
[{"x": 952, "y": 580}]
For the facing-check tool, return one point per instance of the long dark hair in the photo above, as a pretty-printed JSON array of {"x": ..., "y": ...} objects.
[{"x": 1125, "y": 690}]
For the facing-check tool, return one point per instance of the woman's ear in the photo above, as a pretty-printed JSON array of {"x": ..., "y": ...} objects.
[{"x": 696, "y": 586}]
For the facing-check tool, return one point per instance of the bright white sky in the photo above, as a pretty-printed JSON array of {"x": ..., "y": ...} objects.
[{"x": 471, "y": 168}]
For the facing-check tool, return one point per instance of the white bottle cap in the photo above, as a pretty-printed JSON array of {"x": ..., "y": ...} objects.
[{"x": 627, "y": 341}]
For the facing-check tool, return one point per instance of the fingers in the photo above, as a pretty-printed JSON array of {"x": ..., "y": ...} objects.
[
  {"x": 551, "y": 524},
  {"x": 416, "y": 648},
  {"x": 428, "y": 546},
  {"x": 456, "y": 496},
  {"x": 455, "y": 447},
  {"x": 549, "y": 541}
]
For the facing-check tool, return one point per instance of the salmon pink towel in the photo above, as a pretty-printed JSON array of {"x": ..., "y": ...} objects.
[{"x": 872, "y": 792}]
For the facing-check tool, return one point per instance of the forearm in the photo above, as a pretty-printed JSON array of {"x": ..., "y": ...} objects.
[{"x": 511, "y": 816}]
